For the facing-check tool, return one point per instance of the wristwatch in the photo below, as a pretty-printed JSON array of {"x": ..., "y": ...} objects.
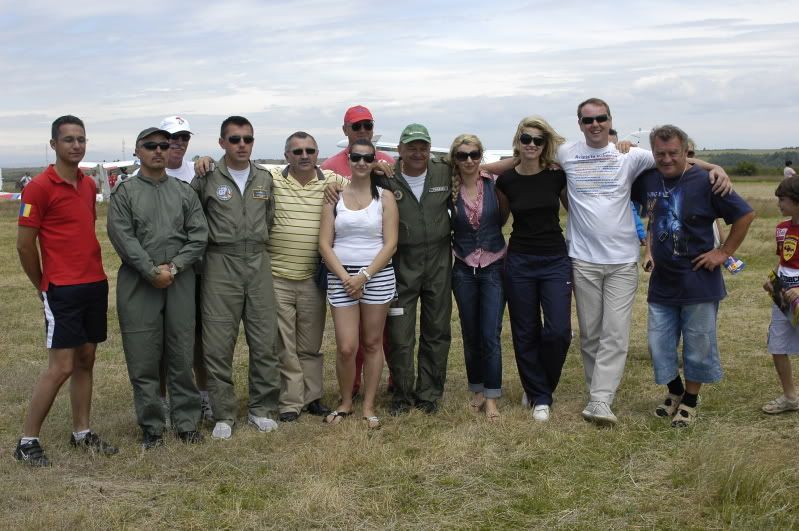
[{"x": 173, "y": 269}]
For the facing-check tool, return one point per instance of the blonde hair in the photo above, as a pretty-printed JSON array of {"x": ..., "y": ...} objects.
[
  {"x": 460, "y": 140},
  {"x": 551, "y": 138}
]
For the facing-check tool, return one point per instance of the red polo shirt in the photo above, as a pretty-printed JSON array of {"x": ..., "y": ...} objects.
[{"x": 65, "y": 217}]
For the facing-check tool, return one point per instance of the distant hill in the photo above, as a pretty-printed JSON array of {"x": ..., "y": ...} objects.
[{"x": 750, "y": 161}]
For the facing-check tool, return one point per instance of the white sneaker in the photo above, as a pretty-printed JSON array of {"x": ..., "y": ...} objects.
[
  {"x": 222, "y": 430},
  {"x": 264, "y": 424},
  {"x": 603, "y": 415},
  {"x": 541, "y": 413},
  {"x": 525, "y": 401}
]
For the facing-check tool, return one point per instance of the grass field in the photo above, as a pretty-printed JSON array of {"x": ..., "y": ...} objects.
[{"x": 736, "y": 468}]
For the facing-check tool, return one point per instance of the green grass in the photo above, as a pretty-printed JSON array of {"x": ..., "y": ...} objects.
[{"x": 736, "y": 468}]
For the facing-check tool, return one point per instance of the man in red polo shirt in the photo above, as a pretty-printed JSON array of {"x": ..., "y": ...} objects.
[
  {"x": 58, "y": 210},
  {"x": 358, "y": 124}
]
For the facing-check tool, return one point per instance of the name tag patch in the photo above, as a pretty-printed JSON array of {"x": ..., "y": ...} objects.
[
  {"x": 438, "y": 189},
  {"x": 260, "y": 193}
]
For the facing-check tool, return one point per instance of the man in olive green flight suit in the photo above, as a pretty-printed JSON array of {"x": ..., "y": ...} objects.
[
  {"x": 423, "y": 265},
  {"x": 157, "y": 227},
  {"x": 237, "y": 280}
]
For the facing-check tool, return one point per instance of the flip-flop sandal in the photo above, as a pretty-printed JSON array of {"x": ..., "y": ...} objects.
[
  {"x": 335, "y": 417},
  {"x": 373, "y": 422},
  {"x": 477, "y": 408}
]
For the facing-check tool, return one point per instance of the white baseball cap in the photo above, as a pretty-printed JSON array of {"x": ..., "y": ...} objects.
[{"x": 174, "y": 124}]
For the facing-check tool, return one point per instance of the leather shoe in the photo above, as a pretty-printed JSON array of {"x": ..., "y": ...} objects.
[
  {"x": 150, "y": 441},
  {"x": 317, "y": 408},
  {"x": 289, "y": 416},
  {"x": 398, "y": 408}
]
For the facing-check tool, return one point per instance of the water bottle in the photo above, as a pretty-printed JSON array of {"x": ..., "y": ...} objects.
[{"x": 734, "y": 265}]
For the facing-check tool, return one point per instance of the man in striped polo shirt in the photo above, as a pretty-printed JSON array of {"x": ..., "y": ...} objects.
[{"x": 293, "y": 245}]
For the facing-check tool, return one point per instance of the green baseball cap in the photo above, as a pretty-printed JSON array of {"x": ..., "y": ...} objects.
[{"x": 414, "y": 132}]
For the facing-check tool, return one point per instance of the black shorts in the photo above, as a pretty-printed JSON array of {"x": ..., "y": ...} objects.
[{"x": 76, "y": 314}]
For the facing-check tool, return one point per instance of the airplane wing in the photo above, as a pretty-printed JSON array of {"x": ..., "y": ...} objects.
[{"x": 88, "y": 165}]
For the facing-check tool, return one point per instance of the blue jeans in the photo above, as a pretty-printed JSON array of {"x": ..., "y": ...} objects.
[
  {"x": 697, "y": 325},
  {"x": 481, "y": 304},
  {"x": 539, "y": 285}
]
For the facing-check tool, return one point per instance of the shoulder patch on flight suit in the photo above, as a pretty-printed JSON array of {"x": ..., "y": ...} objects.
[
  {"x": 398, "y": 195},
  {"x": 224, "y": 193}
]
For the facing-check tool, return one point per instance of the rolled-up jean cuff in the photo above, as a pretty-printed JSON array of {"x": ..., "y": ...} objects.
[
  {"x": 476, "y": 388},
  {"x": 492, "y": 393}
]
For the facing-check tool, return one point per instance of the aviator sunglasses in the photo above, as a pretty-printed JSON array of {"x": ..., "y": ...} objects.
[
  {"x": 308, "y": 151},
  {"x": 367, "y": 157},
  {"x": 152, "y": 146},
  {"x": 183, "y": 137},
  {"x": 236, "y": 139},
  {"x": 525, "y": 139},
  {"x": 600, "y": 118},
  {"x": 366, "y": 125},
  {"x": 463, "y": 155}
]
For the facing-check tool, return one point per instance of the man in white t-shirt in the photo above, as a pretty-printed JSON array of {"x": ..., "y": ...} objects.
[{"x": 604, "y": 248}]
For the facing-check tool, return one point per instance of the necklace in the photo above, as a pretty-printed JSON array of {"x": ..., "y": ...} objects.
[{"x": 668, "y": 191}]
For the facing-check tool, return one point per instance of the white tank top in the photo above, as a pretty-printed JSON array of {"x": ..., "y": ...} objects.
[{"x": 359, "y": 233}]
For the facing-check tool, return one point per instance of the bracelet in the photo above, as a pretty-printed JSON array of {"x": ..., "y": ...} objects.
[{"x": 364, "y": 272}]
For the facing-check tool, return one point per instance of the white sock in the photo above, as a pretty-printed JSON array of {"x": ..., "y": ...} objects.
[
  {"x": 26, "y": 440},
  {"x": 80, "y": 435}
]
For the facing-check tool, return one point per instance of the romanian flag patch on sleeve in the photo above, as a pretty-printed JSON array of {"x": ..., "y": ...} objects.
[{"x": 25, "y": 210}]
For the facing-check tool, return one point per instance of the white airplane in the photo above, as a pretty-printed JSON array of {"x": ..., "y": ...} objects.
[{"x": 102, "y": 170}]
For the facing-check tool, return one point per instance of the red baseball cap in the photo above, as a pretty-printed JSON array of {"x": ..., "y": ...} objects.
[{"x": 358, "y": 113}]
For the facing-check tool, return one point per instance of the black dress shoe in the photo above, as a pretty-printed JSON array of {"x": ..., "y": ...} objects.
[
  {"x": 317, "y": 408},
  {"x": 150, "y": 441},
  {"x": 289, "y": 416},
  {"x": 426, "y": 407},
  {"x": 191, "y": 437}
]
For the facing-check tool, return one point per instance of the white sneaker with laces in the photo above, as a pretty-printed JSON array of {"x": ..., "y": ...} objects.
[
  {"x": 264, "y": 424},
  {"x": 541, "y": 413},
  {"x": 604, "y": 415},
  {"x": 222, "y": 430}
]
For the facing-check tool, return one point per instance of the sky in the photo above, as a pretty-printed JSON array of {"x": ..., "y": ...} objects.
[{"x": 725, "y": 71}]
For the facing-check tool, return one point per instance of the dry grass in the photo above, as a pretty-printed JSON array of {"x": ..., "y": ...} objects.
[{"x": 735, "y": 469}]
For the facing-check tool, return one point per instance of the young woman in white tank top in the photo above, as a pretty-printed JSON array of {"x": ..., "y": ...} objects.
[{"x": 357, "y": 238}]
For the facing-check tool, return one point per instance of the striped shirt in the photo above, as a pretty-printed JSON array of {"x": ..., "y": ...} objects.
[{"x": 294, "y": 238}]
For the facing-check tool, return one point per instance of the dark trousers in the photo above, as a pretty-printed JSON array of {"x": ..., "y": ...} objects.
[
  {"x": 537, "y": 285},
  {"x": 481, "y": 305}
]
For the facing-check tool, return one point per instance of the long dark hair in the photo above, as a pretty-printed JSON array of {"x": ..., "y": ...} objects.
[{"x": 372, "y": 177}]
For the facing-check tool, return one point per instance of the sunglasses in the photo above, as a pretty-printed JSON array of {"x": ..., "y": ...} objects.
[
  {"x": 236, "y": 139},
  {"x": 600, "y": 118},
  {"x": 463, "y": 155},
  {"x": 308, "y": 151},
  {"x": 366, "y": 124},
  {"x": 525, "y": 139},
  {"x": 152, "y": 146},
  {"x": 183, "y": 137},
  {"x": 367, "y": 157}
]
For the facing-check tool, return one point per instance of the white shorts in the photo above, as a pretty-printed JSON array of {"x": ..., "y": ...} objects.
[
  {"x": 783, "y": 337},
  {"x": 380, "y": 289}
]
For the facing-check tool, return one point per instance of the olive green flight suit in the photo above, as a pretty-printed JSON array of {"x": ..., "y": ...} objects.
[
  {"x": 152, "y": 223},
  {"x": 236, "y": 287},
  {"x": 423, "y": 264}
]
